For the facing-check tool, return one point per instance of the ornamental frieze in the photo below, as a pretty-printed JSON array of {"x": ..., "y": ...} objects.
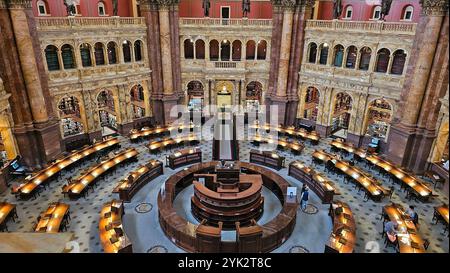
[
  {"x": 434, "y": 7},
  {"x": 16, "y": 4}
]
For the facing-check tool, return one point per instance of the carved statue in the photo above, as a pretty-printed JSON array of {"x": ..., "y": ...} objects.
[
  {"x": 385, "y": 7},
  {"x": 337, "y": 8},
  {"x": 115, "y": 7},
  {"x": 206, "y": 6},
  {"x": 70, "y": 7},
  {"x": 245, "y": 7}
]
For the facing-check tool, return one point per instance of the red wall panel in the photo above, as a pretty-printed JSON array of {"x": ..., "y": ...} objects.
[
  {"x": 258, "y": 9},
  {"x": 87, "y": 8}
]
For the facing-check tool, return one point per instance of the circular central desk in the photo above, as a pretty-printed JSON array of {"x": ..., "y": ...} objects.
[{"x": 201, "y": 238}]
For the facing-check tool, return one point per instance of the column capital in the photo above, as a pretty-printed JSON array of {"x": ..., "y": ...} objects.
[
  {"x": 286, "y": 4},
  {"x": 16, "y": 4},
  {"x": 434, "y": 7}
]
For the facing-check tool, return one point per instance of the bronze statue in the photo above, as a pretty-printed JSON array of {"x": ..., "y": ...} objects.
[
  {"x": 70, "y": 7},
  {"x": 115, "y": 7},
  {"x": 206, "y": 6},
  {"x": 385, "y": 8},
  {"x": 337, "y": 8},
  {"x": 245, "y": 7}
]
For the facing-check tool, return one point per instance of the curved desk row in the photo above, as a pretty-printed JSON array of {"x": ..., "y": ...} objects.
[
  {"x": 127, "y": 188},
  {"x": 316, "y": 181},
  {"x": 53, "y": 219},
  {"x": 153, "y": 132},
  {"x": 291, "y": 131},
  {"x": 31, "y": 183},
  {"x": 112, "y": 235},
  {"x": 78, "y": 186},
  {"x": 7, "y": 212},
  {"x": 184, "y": 157},
  {"x": 281, "y": 143},
  {"x": 156, "y": 146},
  {"x": 266, "y": 158},
  {"x": 183, "y": 233},
  {"x": 343, "y": 236}
]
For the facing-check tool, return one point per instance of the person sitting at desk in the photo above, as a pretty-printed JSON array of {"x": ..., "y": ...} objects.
[
  {"x": 391, "y": 231},
  {"x": 413, "y": 215}
]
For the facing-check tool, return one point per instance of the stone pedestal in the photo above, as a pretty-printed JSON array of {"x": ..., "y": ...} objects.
[{"x": 323, "y": 130}]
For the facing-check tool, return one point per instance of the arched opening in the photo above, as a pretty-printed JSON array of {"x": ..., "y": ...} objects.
[
  {"x": 42, "y": 7},
  {"x": 311, "y": 103},
  {"x": 214, "y": 50},
  {"x": 195, "y": 94},
  {"x": 348, "y": 14},
  {"x": 440, "y": 153},
  {"x": 107, "y": 112},
  {"x": 68, "y": 57},
  {"x": 253, "y": 96},
  {"x": 364, "y": 61},
  {"x": 351, "y": 57},
  {"x": 8, "y": 144},
  {"x": 51, "y": 56},
  {"x": 379, "y": 118},
  {"x": 70, "y": 115},
  {"x": 112, "y": 53},
  {"x": 138, "y": 101},
  {"x": 262, "y": 48},
  {"x": 188, "y": 49},
  {"x": 312, "y": 48},
  {"x": 138, "y": 51},
  {"x": 101, "y": 8},
  {"x": 323, "y": 58},
  {"x": 236, "y": 54},
  {"x": 225, "y": 50},
  {"x": 85, "y": 52},
  {"x": 99, "y": 54},
  {"x": 200, "y": 49},
  {"x": 338, "y": 55},
  {"x": 376, "y": 12},
  {"x": 383, "y": 57},
  {"x": 341, "y": 113},
  {"x": 250, "y": 50},
  {"x": 126, "y": 48},
  {"x": 398, "y": 62},
  {"x": 407, "y": 13}
]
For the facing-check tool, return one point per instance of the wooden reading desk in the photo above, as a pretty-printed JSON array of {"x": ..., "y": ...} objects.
[
  {"x": 50, "y": 220},
  {"x": 112, "y": 235}
]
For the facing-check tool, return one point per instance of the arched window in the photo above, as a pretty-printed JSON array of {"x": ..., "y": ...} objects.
[
  {"x": 42, "y": 8},
  {"x": 101, "y": 8},
  {"x": 262, "y": 48},
  {"x": 225, "y": 50},
  {"x": 137, "y": 101},
  {"x": 341, "y": 113},
  {"x": 85, "y": 52},
  {"x": 51, "y": 56},
  {"x": 137, "y": 51},
  {"x": 376, "y": 12},
  {"x": 383, "y": 57},
  {"x": 311, "y": 103},
  {"x": 379, "y": 118},
  {"x": 348, "y": 12},
  {"x": 351, "y": 57},
  {"x": 398, "y": 62},
  {"x": 67, "y": 56},
  {"x": 338, "y": 55},
  {"x": 106, "y": 109},
  {"x": 253, "y": 96},
  {"x": 126, "y": 47},
  {"x": 70, "y": 114},
  {"x": 188, "y": 49},
  {"x": 236, "y": 54},
  {"x": 112, "y": 53},
  {"x": 250, "y": 50},
  {"x": 214, "y": 50},
  {"x": 323, "y": 58},
  {"x": 99, "y": 54},
  {"x": 195, "y": 95},
  {"x": 200, "y": 49},
  {"x": 408, "y": 13},
  {"x": 364, "y": 59},
  {"x": 312, "y": 48}
]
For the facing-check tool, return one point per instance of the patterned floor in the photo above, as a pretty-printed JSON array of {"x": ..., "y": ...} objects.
[{"x": 310, "y": 233}]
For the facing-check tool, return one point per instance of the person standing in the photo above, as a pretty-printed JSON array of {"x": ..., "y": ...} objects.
[{"x": 304, "y": 198}]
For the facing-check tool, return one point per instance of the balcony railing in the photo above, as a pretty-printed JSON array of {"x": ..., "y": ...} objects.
[
  {"x": 61, "y": 23},
  {"x": 225, "y": 65},
  {"x": 362, "y": 26},
  {"x": 225, "y": 22}
]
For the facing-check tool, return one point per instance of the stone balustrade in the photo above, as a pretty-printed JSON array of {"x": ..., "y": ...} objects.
[
  {"x": 219, "y": 22},
  {"x": 362, "y": 26},
  {"x": 67, "y": 23}
]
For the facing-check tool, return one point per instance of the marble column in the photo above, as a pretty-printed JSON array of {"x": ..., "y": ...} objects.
[
  {"x": 164, "y": 29},
  {"x": 285, "y": 49},
  {"x": 407, "y": 140}
]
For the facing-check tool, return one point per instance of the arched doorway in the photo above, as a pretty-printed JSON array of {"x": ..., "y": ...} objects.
[
  {"x": 253, "y": 95},
  {"x": 8, "y": 146},
  {"x": 195, "y": 96},
  {"x": 70, "y": 115},
  {"x": 224, "y": 91},
  {"x": 341, "y": 113},
  {"x": 137, "y": 101},
  {"x": 311, "y": 103},
  {"x": 107, "y": 112},
  {"x": 378, "y": 118}
]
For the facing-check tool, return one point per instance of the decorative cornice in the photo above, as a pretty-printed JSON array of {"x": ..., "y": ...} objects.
[
  {"x": 286, "y": 4},
  {"x": 434, "y": 7},
  {"x": 17, "y": 4}
]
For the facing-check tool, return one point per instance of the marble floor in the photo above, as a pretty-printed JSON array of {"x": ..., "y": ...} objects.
[{"x": 311, "y": 231}]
